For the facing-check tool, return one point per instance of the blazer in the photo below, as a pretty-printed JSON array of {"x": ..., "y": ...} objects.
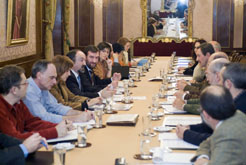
[
  {"x": 98, "y": 85},
  {"x": 10, "y": 152},
  {"x": 73, "y": 86},
  {"x": 66, "y": 97},
  {"x": 227, "y": 145}
]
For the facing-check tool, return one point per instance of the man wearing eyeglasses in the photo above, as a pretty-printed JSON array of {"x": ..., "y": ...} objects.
[{"x": 15, "y": 118}]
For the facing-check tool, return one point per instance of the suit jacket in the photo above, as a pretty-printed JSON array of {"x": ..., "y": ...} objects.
[
  {"x": 197, "y": 133},
  {"x": 227, "y": 145},
  {"x": 10, "y": 152},
  {"x": 73, "y": 86},
  {"x": 98, "y": 85}
]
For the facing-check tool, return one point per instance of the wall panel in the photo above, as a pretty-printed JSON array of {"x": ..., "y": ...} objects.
[
  {"x": 84, "y": 23},
  {"x": 112, "y": 20},
  {"x": 223, "y": 22}
]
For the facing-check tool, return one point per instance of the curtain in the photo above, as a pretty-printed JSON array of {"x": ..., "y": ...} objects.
[
  {"x": 66, "y": 14},
  {"x": 50, "y": 14}
]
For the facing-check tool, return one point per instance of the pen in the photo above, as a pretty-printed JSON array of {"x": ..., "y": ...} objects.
[{"x": 44, "y": 144}]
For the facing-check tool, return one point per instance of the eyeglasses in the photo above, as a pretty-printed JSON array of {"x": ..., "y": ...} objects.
[{"x": 25, "y": 83}]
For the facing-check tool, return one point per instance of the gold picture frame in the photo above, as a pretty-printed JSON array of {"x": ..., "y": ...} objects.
[
  {"x": 144, "y": 7},
  {"x": 18, "y": 22}
]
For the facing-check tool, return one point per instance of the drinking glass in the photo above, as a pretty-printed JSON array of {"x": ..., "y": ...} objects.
[
  {"x": 59, "y": 155},
  {"x": 82, "y": 135},
  {"x": 98, "y": 117},
  {"x": 145, "y": 147}
]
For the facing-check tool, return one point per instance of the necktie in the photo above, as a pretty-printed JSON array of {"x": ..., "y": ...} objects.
[
  {"x": 92, "y": 77},
  {"x": 79, "y": 82}
]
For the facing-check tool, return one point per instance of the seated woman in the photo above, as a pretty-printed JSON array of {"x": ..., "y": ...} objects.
[
  {"x": 126, "y": 43},
  {"x": 103, "y": 68},
  {"x": 62, "y": 93},
  {"x": 117, "y": 56}
]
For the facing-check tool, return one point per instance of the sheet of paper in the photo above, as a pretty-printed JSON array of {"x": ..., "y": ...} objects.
[
  {"x": 177, "y": 144},
  {"x": 168, "y": 136},
  {"x": 118, "y": 98},
  {"x": 139, "y": 97},
  {"x": 184, "y": 120},
  {"x": 121, "y": 107},
  {"x": 171, "y": 92},
  {"x": 72, "y": 135},
  {"x": 186, "y": 78},
  {"x": 169, "y": 109},
  {"x": 183, "y": 158}
]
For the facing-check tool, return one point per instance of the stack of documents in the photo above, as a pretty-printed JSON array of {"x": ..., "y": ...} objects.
[
  {"x": 121, "y": 107},
  {"x": 176, "y": 159},
  {"x": 171, "y": 140},
  {"x": 122, "y": 119}
]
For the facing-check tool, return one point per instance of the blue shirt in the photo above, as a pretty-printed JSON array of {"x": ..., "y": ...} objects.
[
  {"x": 24, "y": 149},
  {"x": 43, "y": 104}
]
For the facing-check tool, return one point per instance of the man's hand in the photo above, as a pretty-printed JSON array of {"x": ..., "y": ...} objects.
[
  {"x": 116, "y": 77},
  {"x": 201, "y": 161},
  {"x": 97, "y": 100},
  {"x": 86, "y": 116},
  {"x": 179, "y": 94},
  {"x": 181, "y": 84},
  {"x": 178, "y": 103},
  {"x": 33, "y": 142},
  {"x": 107, "y": 92},
  {"x": 180, "y": 130}
]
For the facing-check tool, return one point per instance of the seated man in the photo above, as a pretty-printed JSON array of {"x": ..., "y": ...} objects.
[
  {"x": 90, "y": 81},
  {"x": 227, "y": 144},
  {"x": 13, "y": 151},
  {"x": 42, "y": 103},
  {"x": 203, "y": 53},
  {"x": 232, "y": 76},
  {"x": 74, "y": 81},
  {"x": 15, "y": 118}
]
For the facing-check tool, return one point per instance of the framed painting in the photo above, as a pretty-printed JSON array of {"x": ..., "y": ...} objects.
[{"x": 17, "y": 22}]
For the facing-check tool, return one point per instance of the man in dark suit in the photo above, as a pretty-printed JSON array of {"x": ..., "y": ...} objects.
[
  {"x": 91, "y": 82},
  {"x": 75, "y": 80},
  {"x": 13, "y": 151}
]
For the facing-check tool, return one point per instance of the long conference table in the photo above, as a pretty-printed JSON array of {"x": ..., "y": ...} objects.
[{"x": 122, "y": 141}]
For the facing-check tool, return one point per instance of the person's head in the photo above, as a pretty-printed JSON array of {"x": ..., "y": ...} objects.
[
  {"x": 104, "y": 50},
  {"x": 13, "y": 81},
  {"x": 216, "y": 46},
  {"x": 44, "y": 74},
  {"x": 118, "y": 48},
  {"x": 213, "y": 70},
  {"x": 63, "y": 66},
  {"x": 203, "y": 53},
  {"x": 125, "y": 42},
  {"x": 195, "y": 46},
  {"x": 152, "y": 21},
  {"x": 78, "y": 58},
  {"x": 92, "y": 56},
  {"x": 217, "y": 55},
  {"x": 216, "y": 104},
  {"x": 233, "y": 75}
]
